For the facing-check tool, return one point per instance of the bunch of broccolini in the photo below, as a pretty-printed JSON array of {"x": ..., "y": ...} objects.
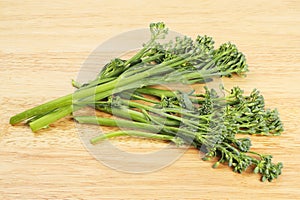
[{"x": 207, "y": 121}]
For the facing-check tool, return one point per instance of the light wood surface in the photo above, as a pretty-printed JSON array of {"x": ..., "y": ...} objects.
[{"x": 42, "y": 47}]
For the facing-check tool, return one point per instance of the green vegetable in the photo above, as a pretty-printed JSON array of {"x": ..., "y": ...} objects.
[
  {"x": 207, "y": 121},
  {"x": 212, "y": 127},
  {"x": 182, "y": 60}
]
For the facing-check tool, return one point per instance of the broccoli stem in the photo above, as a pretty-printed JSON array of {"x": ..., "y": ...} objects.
[
  {"x": 135, "y": 115},
  {"x": 46, "y": 107},
  {"x": 118, "y": 123},
  {"x": 158, "y": 128},
  {"x": 134, "y": 133},
  {"x": 49, "y": 118}
]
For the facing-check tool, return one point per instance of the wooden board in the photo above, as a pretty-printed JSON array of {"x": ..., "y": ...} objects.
[{"x": 42, "y": 47}]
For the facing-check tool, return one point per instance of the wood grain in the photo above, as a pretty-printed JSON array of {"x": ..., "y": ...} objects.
[{"x": 44, "y": 43}]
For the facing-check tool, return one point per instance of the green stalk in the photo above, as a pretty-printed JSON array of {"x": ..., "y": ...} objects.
[
  {"x": 43, "y": 108},
  {"x": 159, "y": 112},
  {"x": 93, "y": 83},
  {"x": 60, "y": 102},
  {"x": 133, "y": 133},
  {"x": 138, "y": 97},
  {"x": 156, "y": 92},
  {"x": 60, "y": 113},
  {"x": 124, "y": 113},
  {"x": 138, "y": 55},
  {"x": 135, "y": 115},
  {"x": 178, "y": 110},
  {"x": 48, "y": 119},
  {"x": 117, "y": 123},
  {"x": 161, "y": 93},
  {"x": 155, "y": 70},
  {"x": 164, "y": 129}
]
